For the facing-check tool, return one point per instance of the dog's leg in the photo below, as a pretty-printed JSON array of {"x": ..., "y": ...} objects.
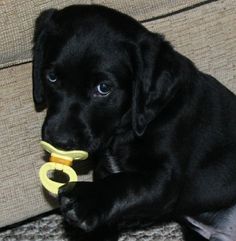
[
  {"x": 122, "y": 200},
  {"x": 102, "y": 234}
]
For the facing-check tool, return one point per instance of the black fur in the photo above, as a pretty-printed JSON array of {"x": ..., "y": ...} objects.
[{"x": 163, "y": 141}]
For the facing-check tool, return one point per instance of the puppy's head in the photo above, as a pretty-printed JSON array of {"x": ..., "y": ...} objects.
[{"x": 98, "y": 72}]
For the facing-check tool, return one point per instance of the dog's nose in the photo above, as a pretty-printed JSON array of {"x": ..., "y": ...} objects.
[
  {"x": 65, "y": 144},
  {"x": 61, "y": 141},
  {"x": 59, "y": 137}
]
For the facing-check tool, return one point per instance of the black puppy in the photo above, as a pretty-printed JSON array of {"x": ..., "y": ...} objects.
[{"x": 161, "y": 134}]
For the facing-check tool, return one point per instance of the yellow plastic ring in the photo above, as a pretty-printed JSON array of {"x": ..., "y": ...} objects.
[{"x": 53, "y": 186}]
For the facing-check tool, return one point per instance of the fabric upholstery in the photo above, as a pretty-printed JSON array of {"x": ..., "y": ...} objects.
[
  {"x": 206, "y": 34},
  {"x": 17, "y": 20}
]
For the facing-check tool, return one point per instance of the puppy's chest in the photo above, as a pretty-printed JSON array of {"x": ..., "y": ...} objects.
[
  {"x": 137, "y": 154},
  {"x": 132, "y": 158}
]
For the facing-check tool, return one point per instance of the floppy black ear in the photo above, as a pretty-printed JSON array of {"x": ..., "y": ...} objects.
[
  {"x": 42, "y": 26},
  {"x": 158, "y": 78}
]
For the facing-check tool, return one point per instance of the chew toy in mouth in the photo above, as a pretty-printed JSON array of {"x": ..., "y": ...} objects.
[{"x": 62, "y": 161}]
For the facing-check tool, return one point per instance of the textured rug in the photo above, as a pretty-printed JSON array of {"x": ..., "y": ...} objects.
[{"x": 51, "y": 228}]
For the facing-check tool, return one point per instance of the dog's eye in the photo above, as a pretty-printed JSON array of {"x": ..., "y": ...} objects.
[
  {"x": 51, "y": 76},
  {"x": 103, "y": 89}
]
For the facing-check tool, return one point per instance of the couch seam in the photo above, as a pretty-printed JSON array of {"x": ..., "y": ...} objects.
[
  {"x": 28, "y": 220},
  {"x": 197, "y": 5},
  {"x": 15, "y": 63}
]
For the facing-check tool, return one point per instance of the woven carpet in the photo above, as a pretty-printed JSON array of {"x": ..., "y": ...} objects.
[{"x": 51, "y": 228}]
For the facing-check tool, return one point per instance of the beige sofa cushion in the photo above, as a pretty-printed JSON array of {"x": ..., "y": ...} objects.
[
  {"x": 17, "y": 20},
  {"x": 21, "y": 156},
  {"x": 205, "y": 34}
]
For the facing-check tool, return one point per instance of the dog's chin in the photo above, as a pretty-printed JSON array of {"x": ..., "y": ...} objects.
[{"x": 93, "y": 146}]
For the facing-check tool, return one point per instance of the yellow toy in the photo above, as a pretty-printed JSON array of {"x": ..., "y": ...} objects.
[{"x": 62, "y": 161}]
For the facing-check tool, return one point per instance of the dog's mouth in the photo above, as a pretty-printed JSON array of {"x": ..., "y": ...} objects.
[{"x": 59, "y": 170}]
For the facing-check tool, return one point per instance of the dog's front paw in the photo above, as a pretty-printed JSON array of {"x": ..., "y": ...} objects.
[{"x": 82, "y": 205}]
